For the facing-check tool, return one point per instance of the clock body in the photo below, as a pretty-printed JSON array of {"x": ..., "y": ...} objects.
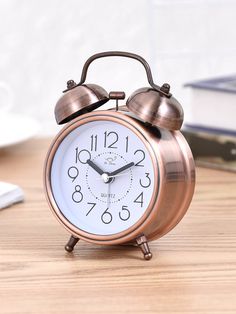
[{"x": 145, "y": 185}]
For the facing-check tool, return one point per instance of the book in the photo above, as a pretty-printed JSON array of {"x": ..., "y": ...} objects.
[
  {"x": 211, "y": 148},
  {"x": 213, "y": 104},
  {"x": 10, "y": 194}
]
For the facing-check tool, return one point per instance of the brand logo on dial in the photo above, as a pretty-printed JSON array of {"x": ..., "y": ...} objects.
[{"x": 110, "y": 160}]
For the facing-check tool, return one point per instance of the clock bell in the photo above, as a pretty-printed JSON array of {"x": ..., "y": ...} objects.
[{"x": 154, "y": 105}]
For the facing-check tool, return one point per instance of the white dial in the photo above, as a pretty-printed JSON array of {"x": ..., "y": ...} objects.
[{"x": 102, "y": 177}]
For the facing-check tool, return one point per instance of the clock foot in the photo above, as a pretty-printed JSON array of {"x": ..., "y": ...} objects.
[
  {"x": 143, "y": 244},
  {"x": 69, "y": 247}
]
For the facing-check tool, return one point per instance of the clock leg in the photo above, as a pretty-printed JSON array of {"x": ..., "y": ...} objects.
[
  {"x": 69, "y": 247},
  {"x": 143, "y": 244}
]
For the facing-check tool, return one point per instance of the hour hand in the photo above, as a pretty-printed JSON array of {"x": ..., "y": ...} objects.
[
  {"x": 111, "y": 174},
  {"x": 95, "y": 167}
]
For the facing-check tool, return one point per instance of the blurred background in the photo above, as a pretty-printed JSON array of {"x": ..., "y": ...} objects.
[{"x": 45, "y": 43}]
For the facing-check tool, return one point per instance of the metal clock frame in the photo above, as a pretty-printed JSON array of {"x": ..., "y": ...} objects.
[{"x": 173, "y": 187}]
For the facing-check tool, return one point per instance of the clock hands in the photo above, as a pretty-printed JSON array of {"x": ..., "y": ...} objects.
[
  {"x": 106, "y": 176},
  {"x": 113, "y": 173},
  {"x": 120, "y": 174}
]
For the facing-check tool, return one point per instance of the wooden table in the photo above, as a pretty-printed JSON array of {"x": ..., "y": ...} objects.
[{"x": 193, "y": 269}]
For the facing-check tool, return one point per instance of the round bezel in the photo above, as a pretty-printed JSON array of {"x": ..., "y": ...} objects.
[{"x": 139, "y": 130}]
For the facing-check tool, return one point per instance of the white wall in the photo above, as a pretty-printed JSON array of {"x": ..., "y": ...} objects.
[
  {"x": 45, "y": 43},
  {"x": 193, "y": 39}
]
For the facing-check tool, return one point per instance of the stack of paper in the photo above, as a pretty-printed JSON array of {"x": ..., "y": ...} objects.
[{"x": 10, "y": 194}]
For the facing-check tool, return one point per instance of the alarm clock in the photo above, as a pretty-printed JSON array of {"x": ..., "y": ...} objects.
[{"x": 125, "y": 175}]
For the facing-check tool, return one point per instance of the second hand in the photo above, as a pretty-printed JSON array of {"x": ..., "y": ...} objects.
[
  {"x": 108, "y": 194},
  {"x": 111, "y": 177}
]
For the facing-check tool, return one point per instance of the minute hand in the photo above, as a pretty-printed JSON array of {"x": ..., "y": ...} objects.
[{"x": 111, "y": 174}]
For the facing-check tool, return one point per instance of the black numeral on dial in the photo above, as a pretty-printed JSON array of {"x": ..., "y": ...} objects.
[
  {"x": 124, "y": 214},
  {"x": 82, "y": 156},
  {"x": 106, "y": 217},
  {"x": 126, "y": 144},
  {"x": 73, "y": 173},
  {"x": 145, "y": 183},
  {"x": 112, "y": 138},
  {"x": 91, "y": 208},
  {"x": 141, "y": 155},
  {"x": 139, "y": 199},
  {"x": 77, "y": 196},
  {"x": 94, "y": 142}
]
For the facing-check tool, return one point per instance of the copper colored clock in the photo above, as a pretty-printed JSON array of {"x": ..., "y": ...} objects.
[{"x": 123, "y": 175}]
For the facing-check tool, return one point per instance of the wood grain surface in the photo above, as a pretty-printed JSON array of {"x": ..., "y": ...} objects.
[{"x": 193, "y": 269}]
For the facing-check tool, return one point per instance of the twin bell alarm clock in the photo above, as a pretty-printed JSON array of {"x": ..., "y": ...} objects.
[{"x": 120, "y": 176}]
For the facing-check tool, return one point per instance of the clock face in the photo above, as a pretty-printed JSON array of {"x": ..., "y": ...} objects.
[{"x": 102, "y": 177}]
